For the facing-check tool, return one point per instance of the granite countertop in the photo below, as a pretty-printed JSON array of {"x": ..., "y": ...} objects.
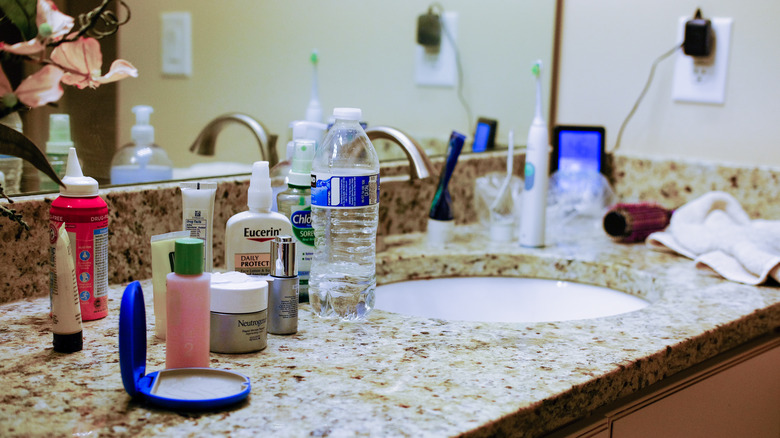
[{"x": 406, "y": 376}]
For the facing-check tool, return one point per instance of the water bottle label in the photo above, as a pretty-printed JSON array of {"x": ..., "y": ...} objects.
[{"x": 345, "y": 191}]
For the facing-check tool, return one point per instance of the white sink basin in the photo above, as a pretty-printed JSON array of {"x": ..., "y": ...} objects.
[{"x": 503, "y": 299}]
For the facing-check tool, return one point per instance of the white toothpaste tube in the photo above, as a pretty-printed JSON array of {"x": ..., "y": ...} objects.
[{"x": 65, "y": 306}]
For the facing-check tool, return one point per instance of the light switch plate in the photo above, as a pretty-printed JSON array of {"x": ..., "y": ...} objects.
[
  {"x": 703, "y": 81},
  {"x": 176, "y": 43},
  {"x": 439, "y": 68}
]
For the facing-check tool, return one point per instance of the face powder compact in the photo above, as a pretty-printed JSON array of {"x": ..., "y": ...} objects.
[{"x": 175, "y": 389}]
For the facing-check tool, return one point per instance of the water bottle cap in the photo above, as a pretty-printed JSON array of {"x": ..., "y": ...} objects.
[{"x": 347, "y": 114}]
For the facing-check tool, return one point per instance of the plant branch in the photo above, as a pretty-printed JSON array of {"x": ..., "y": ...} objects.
[
  {"x": 12, "y": 214},
  {"x": 89, "y": 21}
]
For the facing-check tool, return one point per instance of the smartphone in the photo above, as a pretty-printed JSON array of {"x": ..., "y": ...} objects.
[
  {"x": 577, "y": 148},
  {"x": 485, "y": 135}
]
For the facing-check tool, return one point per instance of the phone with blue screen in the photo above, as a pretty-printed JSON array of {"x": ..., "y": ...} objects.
[
  {"x": 578, "y": 148},
  {"x": 485, "y": 135}
]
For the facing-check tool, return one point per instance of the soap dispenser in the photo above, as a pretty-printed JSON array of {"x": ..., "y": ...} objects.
[{"x": 141, "y": 160}]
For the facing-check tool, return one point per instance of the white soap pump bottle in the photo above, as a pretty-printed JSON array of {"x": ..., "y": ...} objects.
[
  {"x": 537, "y": 168},
  {"x": 248, "y": 234},
  {"x": 141, "y": 160}
]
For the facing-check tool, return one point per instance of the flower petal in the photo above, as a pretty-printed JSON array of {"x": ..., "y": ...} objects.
[
  {"x": 5, "y": 86},
  {"x": 41, "y": 88},
  {"x": 79, "y": 59},
  {"x": 80, "y": 56},
  {"x": 60, "y": 23},
  {"x": 24, "y": 48},
  {"x": 120, "y": 69}
]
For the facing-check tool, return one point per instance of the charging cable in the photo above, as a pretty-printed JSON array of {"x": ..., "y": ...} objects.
[
  {"x": 458, "y": 64},
  {"x": 642, "y": 95}
]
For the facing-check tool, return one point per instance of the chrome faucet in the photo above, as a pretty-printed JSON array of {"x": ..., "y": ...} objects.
[
  {"x": 419, "y": 165},
  {"x": 204, "y": 144}
]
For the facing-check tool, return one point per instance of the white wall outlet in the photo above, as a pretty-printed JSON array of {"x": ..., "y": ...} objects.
[
  {"x": 439, "y": 68},
  {"x": 176, "y": 43},
  {"x": 704, "y": 80}
]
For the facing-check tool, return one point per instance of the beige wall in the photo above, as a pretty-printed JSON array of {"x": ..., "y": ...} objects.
[
  {"x": 252, "y": 56},
  {"x": 608, "y": 48}
]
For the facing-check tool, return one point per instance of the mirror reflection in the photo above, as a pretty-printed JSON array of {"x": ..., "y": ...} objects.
[{"x": 256, "y": 58}]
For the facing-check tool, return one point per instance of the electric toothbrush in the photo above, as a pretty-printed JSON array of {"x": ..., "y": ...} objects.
[
  {"x": 537, "y": 167},
  {"x": 314, "y": 110}
]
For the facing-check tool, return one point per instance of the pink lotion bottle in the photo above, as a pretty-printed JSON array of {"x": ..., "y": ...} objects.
[{"x": 188, "y": 307}]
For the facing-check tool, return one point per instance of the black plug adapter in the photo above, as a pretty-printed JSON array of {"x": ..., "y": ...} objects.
[
  {"x": 429, "y": 30},
  {"x": 698, "y": 36}
]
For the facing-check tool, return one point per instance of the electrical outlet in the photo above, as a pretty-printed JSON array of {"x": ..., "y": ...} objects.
[
  {"x": 439, "y": 68},
  {"x": 703, "y": 80},
  {"x": 176, "y": 43}
]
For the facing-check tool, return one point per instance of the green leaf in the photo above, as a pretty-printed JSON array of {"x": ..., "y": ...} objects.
[
  {"x": 22, "y": 15},
  {"x": 16, "y": 144}
]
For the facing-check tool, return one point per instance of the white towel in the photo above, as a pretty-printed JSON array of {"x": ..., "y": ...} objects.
[{"x": 715, "y": 231}]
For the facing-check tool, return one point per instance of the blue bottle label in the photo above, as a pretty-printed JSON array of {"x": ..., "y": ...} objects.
[
  {"x": 301, "y": 225},
  {"x": 344, "y": 191}
]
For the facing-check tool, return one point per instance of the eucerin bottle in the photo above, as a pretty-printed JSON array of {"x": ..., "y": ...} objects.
[{"x": 248, "y": 234}]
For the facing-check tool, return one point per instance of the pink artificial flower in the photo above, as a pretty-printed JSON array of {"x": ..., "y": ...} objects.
[
  {"x": 48, "y": 17},
  {"x": 37, "y": 89},
  {"x": 41, "y": 88},
  {"x": 24, "y": 48},
  {"x": 82, "y": 61},
  {"x": 5, "y": 86},
  {"x": 59, "y": 23}
]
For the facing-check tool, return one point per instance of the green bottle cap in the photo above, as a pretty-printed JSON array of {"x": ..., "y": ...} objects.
[{"x": 188, "y": 256}]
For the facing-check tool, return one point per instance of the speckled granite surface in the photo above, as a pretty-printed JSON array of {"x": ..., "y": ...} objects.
[
  {"x": 407, "y": 376},
  {"x": 674, "y": 182},
  {"x": 137, "y": 213}
]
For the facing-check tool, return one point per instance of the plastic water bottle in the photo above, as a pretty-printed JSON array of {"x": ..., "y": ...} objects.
[{"x": 345, "y": 210}]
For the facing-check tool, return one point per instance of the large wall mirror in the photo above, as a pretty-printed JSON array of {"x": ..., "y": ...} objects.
[{"x": 253, "y": 57}]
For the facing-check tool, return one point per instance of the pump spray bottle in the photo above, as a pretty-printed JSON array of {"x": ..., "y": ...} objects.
[
  {"x": 248, "y": 234},
  {"x": 295, "y": 203},
  {"x": 85, "y": 216},
  {"x": 141, "y": 160}
]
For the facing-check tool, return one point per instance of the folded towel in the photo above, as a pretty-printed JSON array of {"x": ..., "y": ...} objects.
[{"x": 715, "y": 231}]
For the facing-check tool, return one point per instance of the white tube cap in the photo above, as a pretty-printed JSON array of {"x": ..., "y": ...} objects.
[{"x": 76, "y": 184}]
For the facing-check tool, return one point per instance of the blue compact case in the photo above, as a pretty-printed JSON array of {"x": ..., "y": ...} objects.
[{"x": 176, "y": 389}]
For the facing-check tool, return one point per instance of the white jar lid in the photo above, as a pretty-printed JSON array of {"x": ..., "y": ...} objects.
[{"x": 236, "y": 292}]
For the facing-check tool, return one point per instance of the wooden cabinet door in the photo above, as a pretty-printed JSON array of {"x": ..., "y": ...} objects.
[{"x": 739, "y": 400}]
